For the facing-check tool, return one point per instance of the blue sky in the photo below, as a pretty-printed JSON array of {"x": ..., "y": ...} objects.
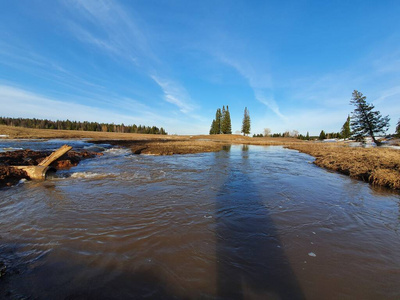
[{"x": 293, "y": 64}]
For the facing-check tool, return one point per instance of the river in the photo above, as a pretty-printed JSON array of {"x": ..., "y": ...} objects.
[{"x": 248, "y": 222}]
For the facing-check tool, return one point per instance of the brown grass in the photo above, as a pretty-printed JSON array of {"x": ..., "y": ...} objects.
[
  {"x": 167, "y": 147},
  {"x": 148, "y": 143},
  {"x": 378, "y": 166},
  {"x": 30, "y": 133}
]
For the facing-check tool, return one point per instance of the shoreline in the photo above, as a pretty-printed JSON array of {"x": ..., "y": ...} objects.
[
  {"x": 10, "y": 176},
  {"x": 378, "y": 166}
]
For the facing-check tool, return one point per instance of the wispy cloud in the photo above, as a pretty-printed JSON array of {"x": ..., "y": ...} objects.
[
  {"x": 256, "y": 78},
  {"x": 269, "y": 101},
  {"x": 19, "y": 55},
  {"x": 123, "y": 36},
  {"x": 28, "y": 104},
  {"x": 174, "y": 94},
  {"x": 112, "y": 29},
  {"x": 259, "y": 81},
  {"x": 32, "y": 105},
  {"x": 388, "y": 94}
]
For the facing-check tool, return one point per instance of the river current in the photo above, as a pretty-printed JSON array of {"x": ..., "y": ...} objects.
[{"x": 248, "y": 222}]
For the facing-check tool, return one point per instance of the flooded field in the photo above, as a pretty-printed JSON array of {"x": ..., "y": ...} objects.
[{"x": 248, "y": 222}]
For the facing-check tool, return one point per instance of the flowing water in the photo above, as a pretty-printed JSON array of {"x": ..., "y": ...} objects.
[{"x": 248, "y": 222}]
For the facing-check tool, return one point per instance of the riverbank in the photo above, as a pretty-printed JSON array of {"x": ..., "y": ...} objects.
[
  {"x": 378, "y": 166},
  {"x": 10, "y": 176},
  {"x": 166, "y": 147}
]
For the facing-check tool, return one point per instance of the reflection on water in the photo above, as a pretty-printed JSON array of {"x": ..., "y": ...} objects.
[{"x": 243, "y": 223}]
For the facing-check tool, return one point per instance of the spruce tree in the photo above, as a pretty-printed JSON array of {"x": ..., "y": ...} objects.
[
  {"x": 398, "y": 129},
  {"x": 227, "y": 122},
  {"x": 308, "y": 136},
  {"x": 218, "y": 118},
  {"x": 246, "y": 122},
  {"x": 365, "y": 121},
  {"x": 322, "y": 135},
  {"x": 346, "y": 132},
  {"x": 223, "y": 120},
  {"x": 212, "y": 128}
]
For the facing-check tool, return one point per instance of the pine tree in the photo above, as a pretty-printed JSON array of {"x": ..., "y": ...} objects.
[
  {"x": 346, "y": 131},
  {"x": 398, "y": 129},
  {"x": 365, "y": 121},
  {"x": 218, "y": 117},
  {"x": 213, "y": 127},
  {"x": 223, "y": 120},
  {"x": 308, "y": 136},
  {"x": 322, "y": 135},
  {"x": 227, "y": 125},
  {"x": 246, "y": 122}
]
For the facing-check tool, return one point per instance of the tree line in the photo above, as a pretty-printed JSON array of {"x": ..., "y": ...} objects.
[{"x": 83, "y": 126}]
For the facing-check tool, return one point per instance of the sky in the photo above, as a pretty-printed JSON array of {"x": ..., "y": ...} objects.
[{"x": 171, "y": 64}]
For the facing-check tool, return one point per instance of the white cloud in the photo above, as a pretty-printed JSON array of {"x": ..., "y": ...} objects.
[
  {"x": 256, "y": 79},
  {"x": 260, "y": 83},
  {"x": 16, "y": 102},
  {"x": 122, "y": 35},
  {"x": 388, "y": 94},
  {"x": 269, "y": 102},
  {"x": 112, "y": 30},
  {"x": 175, "y": 94}
]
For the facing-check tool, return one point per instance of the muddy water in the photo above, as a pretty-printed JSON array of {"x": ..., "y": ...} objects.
[{"x": 244, "y": 223}]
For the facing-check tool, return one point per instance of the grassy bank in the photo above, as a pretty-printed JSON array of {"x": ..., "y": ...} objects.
[
  {"x": 31, "y": 133},
  {"x": 166, "y": 147},
  {"x": 147, "y": 143},
  {"x": 378, "y": 166}
]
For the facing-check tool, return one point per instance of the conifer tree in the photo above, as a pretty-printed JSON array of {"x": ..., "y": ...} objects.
[
  {"x": 365, "y": 121},
  {"x": 216, "y": 125},
  {"x": 218, "y": 117},
  {"x": 308, "y": 136},
  {"x": 322, "y": 135},
  {"x": 223, "y": 118},
  {"x": 398, "y": 129},
  {"x": 346, "y": 131},
  {"x": 226, "y": 123},
  {"x": 213, "y": 127},
  {"x": 246, "y": 122}
]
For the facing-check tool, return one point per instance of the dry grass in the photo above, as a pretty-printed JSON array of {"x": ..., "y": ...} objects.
[
  {"x": 30, "y": 133},
  {"x": 167, "y": 147},
  {"x": 240, "y": 139},
  {"x": 181, "y": 147},
  {"x": 378, "y": 166}
]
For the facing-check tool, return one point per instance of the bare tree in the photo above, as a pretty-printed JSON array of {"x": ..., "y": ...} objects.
[{"x": 267, "y": 132}]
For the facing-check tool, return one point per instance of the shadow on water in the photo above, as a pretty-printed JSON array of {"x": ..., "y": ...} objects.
[
  {"x": 60, "y": 278},
  {"x": 251, "y": 262}
]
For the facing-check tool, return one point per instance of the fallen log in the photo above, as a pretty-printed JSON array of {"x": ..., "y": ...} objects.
[{"x": 39, "y": 172}]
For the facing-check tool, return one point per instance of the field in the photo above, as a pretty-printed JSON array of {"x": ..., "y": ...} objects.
[{"x": 378, "y": 166}]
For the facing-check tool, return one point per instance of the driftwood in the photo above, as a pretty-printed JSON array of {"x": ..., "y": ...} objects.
[{"x": 39, "y": 172}]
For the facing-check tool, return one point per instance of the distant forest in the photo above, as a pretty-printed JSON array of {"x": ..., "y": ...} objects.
[{"x": 77, "y": 125}]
